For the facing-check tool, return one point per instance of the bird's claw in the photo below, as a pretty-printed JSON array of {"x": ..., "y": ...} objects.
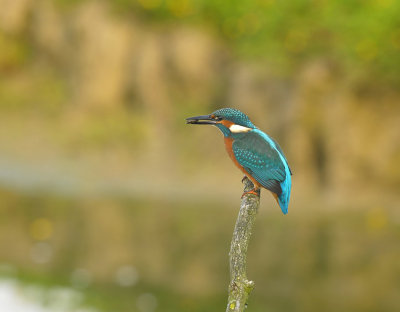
[{"x": 253, "y": 191}]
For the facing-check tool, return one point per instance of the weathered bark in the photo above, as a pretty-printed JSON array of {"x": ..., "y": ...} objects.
[{"x": 240, "y": 287}]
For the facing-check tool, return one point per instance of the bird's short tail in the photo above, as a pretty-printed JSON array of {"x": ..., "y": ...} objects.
[
  {"x": 283, "y": 198},
  {"x": 283, "y": 201}
]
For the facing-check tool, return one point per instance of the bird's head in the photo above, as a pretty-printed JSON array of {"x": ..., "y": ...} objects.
[{"x": 228, "y": 120}]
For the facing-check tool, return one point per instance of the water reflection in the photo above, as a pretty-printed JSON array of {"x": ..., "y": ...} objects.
[{"x": 15, "y": 297}]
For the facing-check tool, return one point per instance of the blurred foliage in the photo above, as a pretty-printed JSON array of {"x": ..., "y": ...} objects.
[{"x": 358, "y": 35}]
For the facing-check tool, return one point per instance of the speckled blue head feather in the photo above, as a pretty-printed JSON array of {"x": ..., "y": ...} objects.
[{"x": 234, "y": 115}]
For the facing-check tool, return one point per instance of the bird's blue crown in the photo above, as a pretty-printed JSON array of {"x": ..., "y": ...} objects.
[{"x": 234, "y": 115}]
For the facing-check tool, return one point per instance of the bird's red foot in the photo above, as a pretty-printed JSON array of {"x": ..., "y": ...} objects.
[{"x": 253, "y": 191}]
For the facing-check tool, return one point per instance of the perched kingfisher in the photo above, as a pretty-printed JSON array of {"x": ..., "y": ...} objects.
[{"x": 255, "y": 153}]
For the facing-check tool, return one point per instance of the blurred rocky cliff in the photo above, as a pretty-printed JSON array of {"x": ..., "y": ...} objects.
[{"x": 86, "y": 90}]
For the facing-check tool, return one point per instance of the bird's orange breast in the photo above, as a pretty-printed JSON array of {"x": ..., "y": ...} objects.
[{"x": 229, "y": 149}]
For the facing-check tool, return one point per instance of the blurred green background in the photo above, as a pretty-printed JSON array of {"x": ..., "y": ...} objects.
[{"x": 109, "y": 202}]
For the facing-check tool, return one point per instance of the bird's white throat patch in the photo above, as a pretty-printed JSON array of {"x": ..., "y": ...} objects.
[{"x": 238, "y": 129}]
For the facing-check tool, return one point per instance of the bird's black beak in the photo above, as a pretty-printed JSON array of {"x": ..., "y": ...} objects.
[{"x": 201, "y": 120}]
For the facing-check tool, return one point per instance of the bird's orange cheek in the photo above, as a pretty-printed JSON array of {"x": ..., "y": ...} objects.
[{"x": 226, "y": 123}]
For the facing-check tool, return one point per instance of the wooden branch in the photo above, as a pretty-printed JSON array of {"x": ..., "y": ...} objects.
[{"x": 240, "y": 287}]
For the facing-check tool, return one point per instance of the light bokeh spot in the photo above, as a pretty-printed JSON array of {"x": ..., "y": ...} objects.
[{"x": 41, "y": 229}]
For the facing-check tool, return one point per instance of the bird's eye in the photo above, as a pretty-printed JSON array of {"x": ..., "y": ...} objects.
[{"x": 217, "y": 118}]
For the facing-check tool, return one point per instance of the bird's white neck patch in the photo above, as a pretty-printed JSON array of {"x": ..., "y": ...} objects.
[{"x": 238, "y": 129}]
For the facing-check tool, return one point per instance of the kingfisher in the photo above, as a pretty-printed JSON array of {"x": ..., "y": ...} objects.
[{"x": 254, "y": 152}]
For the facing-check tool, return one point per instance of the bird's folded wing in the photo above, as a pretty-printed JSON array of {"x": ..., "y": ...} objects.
[
  {"x": 261, "y": 160},
  {"x": 281, "y": 152}
]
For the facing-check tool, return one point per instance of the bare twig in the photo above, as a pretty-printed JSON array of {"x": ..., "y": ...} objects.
[{"x": 240, "y": 287}]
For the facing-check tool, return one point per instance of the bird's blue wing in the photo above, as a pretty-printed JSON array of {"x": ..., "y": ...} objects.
[
  {"x": 261, "y": 160},
  {"x": 283, "y": 155}
]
